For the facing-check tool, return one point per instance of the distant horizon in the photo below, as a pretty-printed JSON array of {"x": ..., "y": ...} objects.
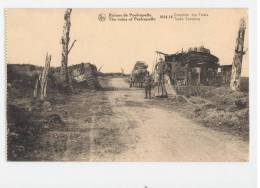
[{"x": 242, "y": 76}]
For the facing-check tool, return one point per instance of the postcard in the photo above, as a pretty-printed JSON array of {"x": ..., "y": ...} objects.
[{"x": 127, "y": 85}]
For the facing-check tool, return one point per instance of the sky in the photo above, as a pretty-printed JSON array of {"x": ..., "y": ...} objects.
[{"x": 31, "y": 33}]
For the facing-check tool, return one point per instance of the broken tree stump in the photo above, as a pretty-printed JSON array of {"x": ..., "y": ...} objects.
[{"x": 40, "y": 90}]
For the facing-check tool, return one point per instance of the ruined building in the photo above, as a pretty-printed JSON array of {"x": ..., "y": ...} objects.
[
  {"x": 224, "y": 74},
  {"x": 83, "y": 74},
  {"x": 196, "y": 67},
  {"x": 192, "y": 72}
]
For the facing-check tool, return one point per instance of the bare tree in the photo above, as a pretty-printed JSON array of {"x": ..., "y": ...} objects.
[
  {"x": 65, "y": 40},
  {"x": 40, "y": 89},
  {"x": 238, "y": 57}
]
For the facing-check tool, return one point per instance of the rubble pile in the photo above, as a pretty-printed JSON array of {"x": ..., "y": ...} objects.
[
  {"x": 84, "y": 73},
  {"x": 227, "y": 110}
]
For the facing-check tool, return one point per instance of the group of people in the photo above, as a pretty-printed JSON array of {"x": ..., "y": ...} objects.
[{"x": 149, "y": 83}]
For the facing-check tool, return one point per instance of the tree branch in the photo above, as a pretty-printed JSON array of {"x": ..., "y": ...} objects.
[
  {"x": 71, "y": 46},
  {"x": 245, "y": 51}
]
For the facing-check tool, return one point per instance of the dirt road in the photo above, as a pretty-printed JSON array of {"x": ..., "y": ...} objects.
[{"x": 118, "y": 124}]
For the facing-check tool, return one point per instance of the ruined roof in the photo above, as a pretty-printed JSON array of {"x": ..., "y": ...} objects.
[
  {"x": 226, "y": 67},
  {"x": 193, "y": 55}
]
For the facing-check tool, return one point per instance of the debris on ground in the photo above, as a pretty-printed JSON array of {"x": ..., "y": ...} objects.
[{"x": 219, "y": 108}]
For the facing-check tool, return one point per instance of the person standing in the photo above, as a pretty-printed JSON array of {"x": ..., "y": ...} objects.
[{"x": 148, "y": 82}]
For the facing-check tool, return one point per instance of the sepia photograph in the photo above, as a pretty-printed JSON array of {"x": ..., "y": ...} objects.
[{"x": 127, "y": 84}]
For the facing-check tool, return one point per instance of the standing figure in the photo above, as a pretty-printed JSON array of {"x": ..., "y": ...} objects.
[
  {"x": 131, "y": 81},
  {"x": 148, "y": 83},
  {"x": 162, "y": 68}
]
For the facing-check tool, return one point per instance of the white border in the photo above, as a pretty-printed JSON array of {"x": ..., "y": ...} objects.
[
  {"x": 127, "y": 3},
  {"x": 134, "y": 175}
]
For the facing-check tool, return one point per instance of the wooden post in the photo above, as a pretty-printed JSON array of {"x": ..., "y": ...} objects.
[
  {"x": 35, "y": 91},
  {"x": 199, "y": 70},
  {"x": 65, "y": 40},
  {"x": 187, "y": 74},
  {"x": 238, "y": 57}
]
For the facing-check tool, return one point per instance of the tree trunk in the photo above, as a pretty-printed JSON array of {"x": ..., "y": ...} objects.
[
  {"x": 65, "y": 46},
  {"x": 40, "y": 89},
  {"x": 238, "y": 57},
  {"x": 44, "y": 77}
]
